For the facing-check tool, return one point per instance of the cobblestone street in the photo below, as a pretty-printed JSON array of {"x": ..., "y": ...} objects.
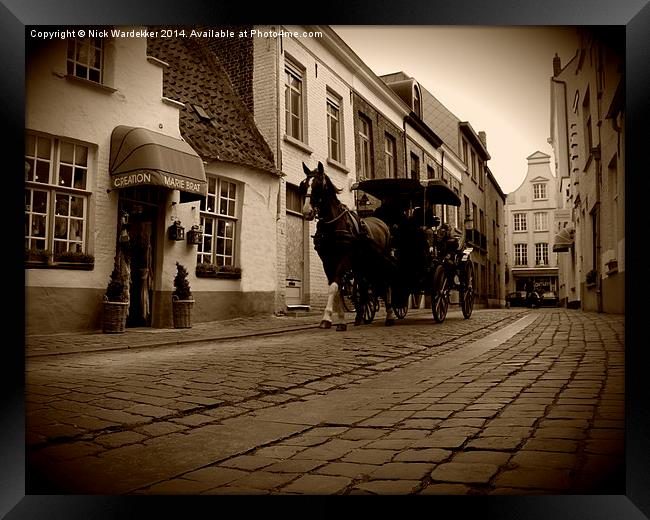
[{"x": 511, "y": 401}]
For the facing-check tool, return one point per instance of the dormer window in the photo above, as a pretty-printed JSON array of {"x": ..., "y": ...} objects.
[{"x": 417, "y": 104}]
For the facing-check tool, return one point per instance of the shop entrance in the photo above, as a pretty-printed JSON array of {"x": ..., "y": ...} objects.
[{"x": 139, "y": 206}]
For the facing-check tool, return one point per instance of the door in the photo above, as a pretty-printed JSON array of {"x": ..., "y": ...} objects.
[
  {"x": 295, "y": 248},
  {"x": 141, "y": 210}
]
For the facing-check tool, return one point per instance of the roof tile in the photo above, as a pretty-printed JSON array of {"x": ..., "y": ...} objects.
[{"x": 195, "y": 77}]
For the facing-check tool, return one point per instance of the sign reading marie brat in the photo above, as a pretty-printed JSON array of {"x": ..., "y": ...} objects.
[{"x": 159, "y": 178}]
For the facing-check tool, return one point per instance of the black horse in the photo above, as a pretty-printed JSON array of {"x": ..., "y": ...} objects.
[{"x": 345, "y": 242}]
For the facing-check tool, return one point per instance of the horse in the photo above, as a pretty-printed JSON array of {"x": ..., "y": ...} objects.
[{"x": 344, "y": 242}]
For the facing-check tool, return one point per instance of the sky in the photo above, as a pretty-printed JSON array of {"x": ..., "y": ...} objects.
[{"x": 496, "y": 78}]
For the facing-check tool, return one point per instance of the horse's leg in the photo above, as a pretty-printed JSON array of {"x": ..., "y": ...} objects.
[
  {"x": 332, "y": 292},
  {"x": 390, "y": 315}
]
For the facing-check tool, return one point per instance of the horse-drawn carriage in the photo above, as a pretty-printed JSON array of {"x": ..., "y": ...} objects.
[
  {"x": 430, "y": 258},
  {"x": 399, "y": 254}
]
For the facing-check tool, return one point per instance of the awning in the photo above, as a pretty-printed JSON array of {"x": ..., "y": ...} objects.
[
  {"x": 410, "y": 190},
  {"x": 563, "y": 241},
  {"x": 141, "y": 157}
]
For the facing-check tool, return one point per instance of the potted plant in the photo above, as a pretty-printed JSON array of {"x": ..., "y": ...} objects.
[
  {"x": 74, "y": 257},
  {"x": 182, "y": 301},
  {"x": 116, "y": 298},
  {"x": 208, "y": 270},
  {"x": 36, "y": 255}
]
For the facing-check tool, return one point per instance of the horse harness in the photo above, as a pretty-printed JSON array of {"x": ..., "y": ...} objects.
[{"x": 354, "y": 229}]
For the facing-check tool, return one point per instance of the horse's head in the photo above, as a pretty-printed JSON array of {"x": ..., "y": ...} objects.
[{"x": 314, "y": 189}]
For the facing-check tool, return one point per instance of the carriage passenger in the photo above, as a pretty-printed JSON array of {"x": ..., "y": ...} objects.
[{"x": 393, "y": 212}]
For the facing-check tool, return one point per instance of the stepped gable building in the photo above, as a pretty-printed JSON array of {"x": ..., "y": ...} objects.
[{"x": 530, "y": 211}]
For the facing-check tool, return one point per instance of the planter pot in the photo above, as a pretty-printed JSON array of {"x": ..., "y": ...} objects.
[
  {"x": 114, "y": 317},
  {"x": 182, "y": 313}
]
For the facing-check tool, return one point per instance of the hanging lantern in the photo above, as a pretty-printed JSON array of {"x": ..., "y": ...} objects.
[
  {"x": 195, "y": 235},
  {"x": 176, "y": 231}
]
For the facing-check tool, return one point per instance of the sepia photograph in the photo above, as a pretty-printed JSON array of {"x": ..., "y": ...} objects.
[{"x": 347, "y": 259}]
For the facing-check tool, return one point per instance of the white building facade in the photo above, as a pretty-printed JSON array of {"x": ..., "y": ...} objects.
[{"x": 530, "y": 228}]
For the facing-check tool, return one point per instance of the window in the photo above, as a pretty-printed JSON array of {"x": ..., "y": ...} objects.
[
  {"x": 56, "y": 199},
  {"x": 390, "y": 157},
  {"x": 293, "y": 101},
  {"x": 473, "y": 165},
  {"x": 496, "y": 209},
  {"x": 481, "y": 172},
  {"x": 415, "y": 166},
  {"x": 219, "y": 221},
  {"x": 466, "y": 204},
  {"x": 586, "y": 121},
  {"x": 365, "y": 148},
  {"x": 475, "y": 220},
  {"x": 465, "y": 153},
  {"x": 541, "y": 221},
  {"x": 334, "y": 128},
  {"x": 85, "y": 57},
  {"x": 541, "y": 254},
  {"x": 539, "y": 191},
  {"x": 521, "y": 254},
  {"x": 520, "y": 221},
  {"x": 417, "y": 105},
  {"x": 294, "y": 202},
  {"x": 431, "y": 173}
]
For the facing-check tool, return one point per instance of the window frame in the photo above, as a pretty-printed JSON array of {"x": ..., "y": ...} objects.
[
  {"x": 73, "y": 63},
  {"x": 232, "y": 199},
  {"x": 521, "y": 254},
  {"x": 417, "y": 101},
  {"x": 334, "y": 102},
  {"x": 365, "y": 147},
  {"x": 519, "y": 225},
  {"x": 390, "y": 158},
  {"x": 541, "y": 253},
  {"x": 55, "y": 191},
  {"x": 542, "y": 188},
  {"x": 293, "y": 70},
  {"x": 540, "y": 221},
  {"x": 414, "y": 161}
]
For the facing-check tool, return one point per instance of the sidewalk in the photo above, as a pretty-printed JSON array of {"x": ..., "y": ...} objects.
[{"x": 140, "y": 337}]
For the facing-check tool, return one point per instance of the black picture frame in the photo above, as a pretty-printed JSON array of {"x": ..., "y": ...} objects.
[{"x": 15, "y": 15}]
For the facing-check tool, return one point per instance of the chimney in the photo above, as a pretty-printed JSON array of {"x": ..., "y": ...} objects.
[
  {"x": 557, "y": 65},
  {"x": 483, "y": 138}
]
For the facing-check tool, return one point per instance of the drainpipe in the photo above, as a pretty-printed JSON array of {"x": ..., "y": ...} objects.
[
  {"x": 571, "y": 263},
  {"x": 278, "y": 127},
  {"x": 406, "y": 163}
]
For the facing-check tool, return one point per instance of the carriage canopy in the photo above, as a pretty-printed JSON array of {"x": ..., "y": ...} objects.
[{"x": 411, "y": 191}]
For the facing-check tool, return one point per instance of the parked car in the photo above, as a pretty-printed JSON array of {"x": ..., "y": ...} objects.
[
  {"x": 549, "y": 299},
  {"x": 516, "y": 299}
]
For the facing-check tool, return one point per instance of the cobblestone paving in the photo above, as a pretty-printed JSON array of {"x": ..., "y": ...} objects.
[{"x": 451, "y": 408}]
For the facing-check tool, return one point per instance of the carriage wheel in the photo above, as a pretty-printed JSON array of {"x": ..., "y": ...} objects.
[
  {"x": 400, "y": 312},
  {"x": 370, "y": 305},
  {"x": 355, "y": 297},
  {"x": 369, "y": 308},
  {"x": 440, "y": 295},
  {"x": 467, "y": 290}
]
